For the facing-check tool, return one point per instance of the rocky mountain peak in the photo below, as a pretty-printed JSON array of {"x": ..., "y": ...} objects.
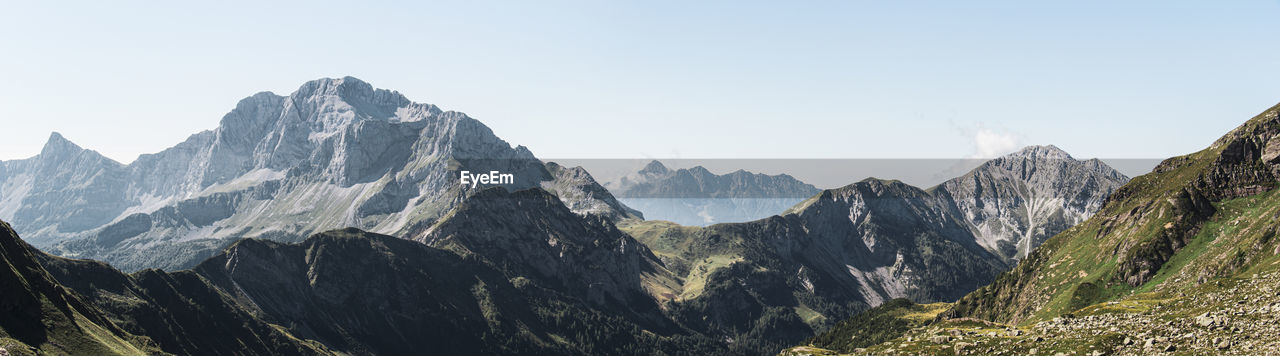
[
  {"x": 700, "y": 171},
  {"x": 1039, "y": 152},
  {"x": 1015, "y": 202},
  {"x": 58, "y": 145},
  {"x": 877, "y": 186},
  {"x": 655, "y": 168},
  {"x": 360, "y": 96}
]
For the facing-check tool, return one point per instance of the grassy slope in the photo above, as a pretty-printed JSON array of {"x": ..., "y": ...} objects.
[{"x": 691, "y": 259}]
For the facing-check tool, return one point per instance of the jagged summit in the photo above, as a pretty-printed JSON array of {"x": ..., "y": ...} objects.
[{"x": 361, "y": 96}]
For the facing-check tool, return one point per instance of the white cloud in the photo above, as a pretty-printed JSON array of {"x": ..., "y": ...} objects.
[{"x": 988, "y": 143}]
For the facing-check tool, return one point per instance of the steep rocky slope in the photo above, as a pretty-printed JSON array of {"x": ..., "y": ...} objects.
[
  {"x": 697, "y": 197},
  {"x": 335, "y": 153},
  {"x": 580, "y": 192}
]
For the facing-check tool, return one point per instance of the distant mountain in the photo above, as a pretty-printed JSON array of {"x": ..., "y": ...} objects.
[
  {"x": 1181, "y": 260},
  {"x": 697, "y": 197},
  {"x": 657, "y": 181},
  {"x": 848, "y": 249},
  {"x": 335, "y": 153}
]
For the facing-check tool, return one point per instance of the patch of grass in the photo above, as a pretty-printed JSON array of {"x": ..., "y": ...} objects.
[
  {"x": 880, "y": 324},
  {"x": 697, "y": 278}
]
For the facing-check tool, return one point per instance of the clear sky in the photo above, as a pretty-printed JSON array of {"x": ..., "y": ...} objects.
[{"x": 665, "y": 79}]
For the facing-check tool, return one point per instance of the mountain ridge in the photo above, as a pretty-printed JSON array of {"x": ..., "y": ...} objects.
[{"x": 696, "y": 196}]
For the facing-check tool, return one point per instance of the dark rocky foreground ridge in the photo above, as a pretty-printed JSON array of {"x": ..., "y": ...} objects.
[
  {"x": 342, "y": 291},
  {"x": 1181, "y": 260}
]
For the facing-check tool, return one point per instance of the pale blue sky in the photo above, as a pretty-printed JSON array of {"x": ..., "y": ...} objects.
[{"x": 613, "y": 79}]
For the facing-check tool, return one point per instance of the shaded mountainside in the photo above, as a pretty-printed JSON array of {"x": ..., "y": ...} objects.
[
  {"x": 38, "y": 315},
  {"x": 849, "y": 249},
  {"x": 697, "y": 197},
  {"x": 531, "y": 233},
  {"x": 177, "y": 310},
  {"x": 335, "y": 153},
  {"x": 342, "y": 291},
  {"x": 1183, "y": 259},
  {"x": 367, "y": 293}
]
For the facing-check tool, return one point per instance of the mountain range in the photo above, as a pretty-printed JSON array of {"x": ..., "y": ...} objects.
[
  {"x": 697, "y": 197},
  {"x": 332, "y": 221}
]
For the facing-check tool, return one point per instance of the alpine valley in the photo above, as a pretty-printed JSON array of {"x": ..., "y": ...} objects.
[{"x": 332, "y": 221}]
